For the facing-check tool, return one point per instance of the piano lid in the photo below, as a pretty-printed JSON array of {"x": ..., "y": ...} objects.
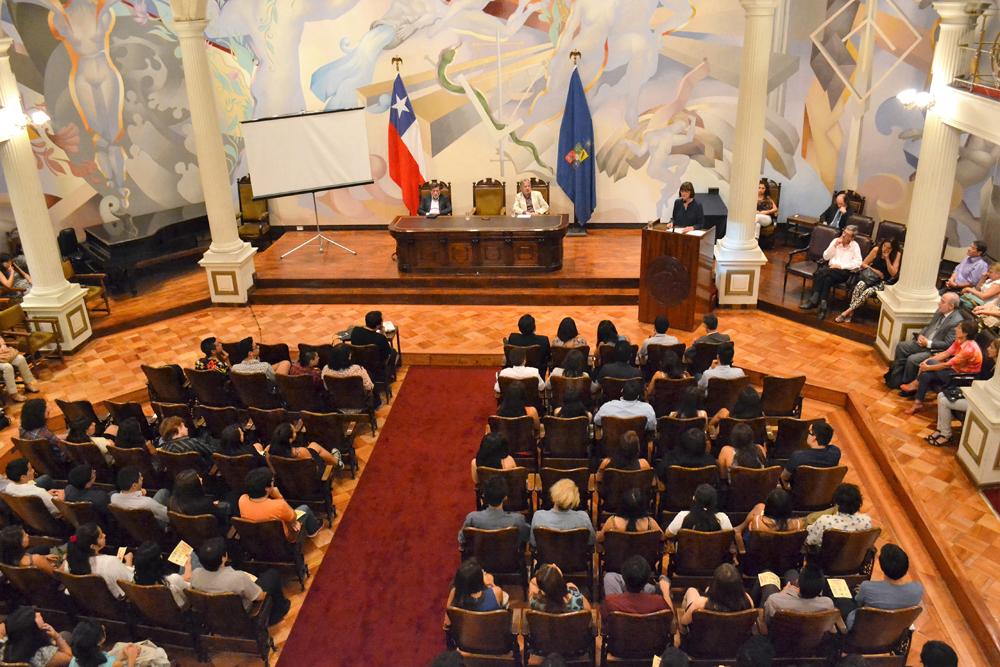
[{"x": 143, "y": 226}]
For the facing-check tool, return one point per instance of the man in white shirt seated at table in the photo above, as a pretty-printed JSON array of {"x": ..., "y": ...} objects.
[
  {"x": 528, "y": 201},
  {"x": 436, "y": 203},
  {"x": 22, "y": 483},
  {"x": 518, "y": 370},
  {"x": 843, "y": 257}
]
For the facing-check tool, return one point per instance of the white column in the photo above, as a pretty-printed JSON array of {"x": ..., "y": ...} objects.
[
  {"x": 863, "y": 84},
  {"x": 53, "y": 302},
  {"x": 909, "y": 304},
  {"x": 738, "y": 258},
  {"x": 229, "y": 261},
  {"x": 979, "y": 444}
]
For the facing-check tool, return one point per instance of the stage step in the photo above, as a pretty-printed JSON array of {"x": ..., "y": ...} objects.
[{"x": 528, "y": 296}]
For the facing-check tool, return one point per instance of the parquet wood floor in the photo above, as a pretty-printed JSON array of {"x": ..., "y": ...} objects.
[{"x": 964, "y": 523}]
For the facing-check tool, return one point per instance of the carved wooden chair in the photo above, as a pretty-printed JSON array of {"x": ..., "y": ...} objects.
[
  {"x": 253, "y": 217},
  {"x": 211, "y": 387},
  {"x": 254, "y": 391},
  {"x": 812, "y": 488},
  {"x": 348, "y": 395},
  {"x": 484, "y": 635},
  {"x": 42, "y": 457},
  {"x": 782, "y": 397},
  {"x": 333, "y": 431},
  {"x": 95, "y": 290},
  {"x": 424, "y": 189},
  {"x": 519, "y": 432},
  {"x": 302, "y": 484},
  {"x": 669, "y": 430},
  {"x": 718, "y": 635},
  {"x": 634, "y": 639},
  {"x": 300, "y": 393},
  {"x": 667, "y": 394},
  {"x": 489, "y": 197},
  {"x": 217, "y": 419},
  {"x": 570, "y": 635},
  {"x": 38, "y": 338}
]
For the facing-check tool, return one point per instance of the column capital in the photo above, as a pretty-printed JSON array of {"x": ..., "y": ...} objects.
[
  {"x": 959, "y": 12},
  {"x": 759, "y": 7},
  {"x": 188, "y": 10},
  {"x": 189, "y": 28}
]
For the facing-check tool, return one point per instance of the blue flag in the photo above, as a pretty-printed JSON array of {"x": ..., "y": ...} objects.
[{"x": 577, "y": 172}]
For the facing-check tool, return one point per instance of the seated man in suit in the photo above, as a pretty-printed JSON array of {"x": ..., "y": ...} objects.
[
  {"x": 526, "y": 337},
  {"x": 529, "y": 201},
  {"x": 837, "y": 212},
  {"x": 620, "y": 368},
  {"x": 938, "y": 335},
  {"x": 373, "y": 333},
  {"x": 435, "y": 203},
  {"x": 712, "y": 335}
]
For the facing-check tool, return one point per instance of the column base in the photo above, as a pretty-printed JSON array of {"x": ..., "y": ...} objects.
[
  {"x": 979, "y": 446},
  {"x": 230, "y": 274},
  {"x": 900, "y": 318},
  {"x": 737, "y": 274},
  {"x": 63, "y": 311}
]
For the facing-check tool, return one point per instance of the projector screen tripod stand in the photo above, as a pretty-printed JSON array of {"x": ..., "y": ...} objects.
[{"x": 318, "y": 237}]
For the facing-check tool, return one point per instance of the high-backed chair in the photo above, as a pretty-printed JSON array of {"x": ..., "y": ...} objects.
[
  {"x": 518, "y": 496},
  {"x": 254, "y": 391},
  {"x": 877, "y": 631},
  {"x": 542, "y": 187},
  {"x": 616, "y": 483},
  {"x": 681, "y": 484},
  {"x": 302, "y": 484},
  {"x": 95, "y": 291},
  {"x": 79, "y": 513},
  {"x": 172, "y": 463},
  {"x": 845, "y": 553},
  {"x": 83, "y": 409},
  {"x": 253, "y": 217},
  {"x": 864, "y": 223},
  {"x": 274, "y": 353},
  {"x": 348, "y": 395},
  {"x": 166, "y": 384},
  {"x": 234, "y": 469},
  {"x": 774, "y": 551},
  {"x": 265, "y": 421},
  {"x": 532, "y": 354},
  {"x": 532, "y": 395},
  {"x": 485, "y": 635},
  {"x": 500, "y": 552},
  {"x": 569, "y": 549},
  {"x": 718, "y": 635},
  {"x": 557, "y": 354},
  {"x": 812, "y": 488},
  {"x": 613, "y": 429},
  {"x": 890, "y": 231},
  {"x": 228, "y": 626},
  {"x": 519, "y": 432},
  {"x": 137, "y": 457},
  {"x": 722, "y": 393},
  {"x": 89, "y": 453},
  {"x": 182, "y": 410},
  {"x": 669, "y": 430},
  {"x": 93, "y": 600},
  {"x": 749, "y": 486},
  {"x": 160, "y": 618},
  {"x": 218, "y": 419},
  {"x": 265, "y": 547},
  {"x": 35, "y": 516},
  {"x": 702, "y": 356},
  {"x": 489, "y": 197},
  {"x": 424, "y": 189},
  {"x": 42, "y": 591},
  {"x": 195, "y": 529},
  {"x": 806, "y": 261},
  {"x": 333, "y": 431},
  {"x": 211, "y": 387},
  {"x": 324, "y": 351},
  {"x": 699, "y": 553},
  {"x": 141, "y": 525},
  {"x": 38, "y": 339},
  {"x": 797, "y": 634},
  {"x": 41, "y": 456},
  {"x": 633, "y": 639},
  {"x": 370, "y": 358},
  {"x": 566, "y": 439},
  {"x": 654, "y": 356},
  {"x": 782, "y": 397},
  {"x": 620, "y": 545},
  {"x": 758, "y": 426},
  {"x": 300, "y": 393},
  {"x": 667, "y": 394},
  {"x": 561, "y": 385},
  {"x": 570, "y": 635},
  {"x": 790, "y": 437}
]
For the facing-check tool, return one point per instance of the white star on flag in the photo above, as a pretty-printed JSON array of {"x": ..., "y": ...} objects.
[{"x": 400, "y": 106}]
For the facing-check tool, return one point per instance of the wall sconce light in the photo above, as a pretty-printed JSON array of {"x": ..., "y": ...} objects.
[
  {"x": 911, "y": 98},
  {"x": 14, "y": 120}
]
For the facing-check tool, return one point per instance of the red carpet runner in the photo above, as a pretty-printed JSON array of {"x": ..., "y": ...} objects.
[{"x": 378, "y": 597}]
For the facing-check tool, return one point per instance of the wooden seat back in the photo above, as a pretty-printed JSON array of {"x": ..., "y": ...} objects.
[
  {"x": 566, "y": 438},
  {"x": 749, "y": 486},
  {"x": 155, "y": 604},
  {"x": 265, "y": 421},
  {"x": 667, "y": 394},
  {"x": 119, "y": 412},
  {"x": 254, "y": 390},
  {"x": 562, "y": 385},
  {"x": 877, "y": 630},
  {"x": 79, "y": 513},
  {"x": 681, "y": 483},
  {"x": 519, "y": 432},
  {"x": 141, "y": 526},
  {"x": 655, "y": 352},
  {"x": 485, "y": 632},
  {"x": 182, "y": 410},
  {"x": 812, "y": 487},
  {"x": 790, "y": 437},
  {"x": 35, "y": 516},
  {"x": 844, "y": 553},
  {"x": 371, "y": 359},
  {"x": 234, "y": 469},
  {"x": 619, "y": 546},
  {"x": 569, "y": 635},
  {"x": 347, "y": 393},
  {"x": 518, "y": 497},
  {"x": 175, "y": 462},
  {"x": 722, "y": 393},
  {"x": 41, "y": 457},
  {"x": 669, "y": 430},
  {"x": 614, "y": 429},
  {"x": 549, "y": 476},
  {"x": 424, "y": 190},
  {"x": 532, "y": 354},
  {"x": 264, "y": 542},
  {"x": 569, "y": 549},
  {"x": 137, "y": 457},
  {"x": 217, "y": 419},
  {"x": 606, "y": 354},
  {"x": 532, "y": 396},
  {"x": 300, "y": 393},
  {"x": 498, "y": 551},
  {"x": 39, "y": 588},
  {"x": 166, "y": 384},
  {"x": 237, "y": 350},
  {"x": 612, "y": 388},
  {"x": 210, "y": 387},
  {"x": 718, "y": 635},
  {"x": 758, "y": 426},
  {"x": 301, "y": 482},
  {"x": 637, "y": 636},
  {"x": 699, "y": 553},
  {"x": 81, "y": 409},
  {"x": 489, "y": 197},
  {"x": 195, "y": 529},
  {"x": 774, "y": 551},
  {"x": 782, "y": 397},
  {"x": 274, "y": 353},
  {"x": 702, "y": 357},
  {"x": 91, "y": 595},
  {"x": 323, "y": 351},
  {"x": 89, "y": 453},
  {"x": 797, "y": 634},
  {"x": 616, "y": 483},
  {"x": 557, "y": 354},
  {"x": 223, "y": 614}
]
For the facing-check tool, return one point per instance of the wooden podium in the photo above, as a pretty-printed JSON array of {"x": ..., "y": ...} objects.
[{"x": 675, "y": 277}]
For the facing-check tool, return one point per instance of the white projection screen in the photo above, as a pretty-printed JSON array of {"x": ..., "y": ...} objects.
[{"x": 290, "y": 155}]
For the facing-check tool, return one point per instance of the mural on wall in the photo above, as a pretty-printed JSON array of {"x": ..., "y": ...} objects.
[{"x": 487, "y": 80}]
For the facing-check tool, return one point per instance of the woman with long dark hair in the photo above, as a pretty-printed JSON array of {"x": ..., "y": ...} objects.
[
  {"x": 879, "y": 268},
  {"x": 725, "y": 594},
  {"x": 548, "y": 591},
  {"x": 567, "y": 334},
  {"x": 607, "y": 333},
  {"x": 627, "y": 456},
  {"x": 703, "y": 515},
  {"x": 670, "y": 369},
  {"x": 574, "y": 365},
  {"x": 233, "y": 442},
  {"x": 284, "y": 443},
  {"x": 747, "y": 406},
  {"x": 690, "y": 406},
  {"x": 632, "y": 516},
  {"x": 572, "y": 406},
  {"x": 33, "y": 641},
  {"x": 87, "y": 642},
  {"x": 150, "y": 570},
  {"x": 514, "y": 403},
  {"x": 493, "y": 453},
  {"x": 474, "y": 590},
  {"x": 740, "y": 452},
  {"x": 15, "y": 550},
  {"x": 774, "y": 515},
  {"x": 83, "y": 556},
  {"x": 131, "y": 436},
  {"x": 189, "y": 498},
  {"x": 34, "y": 425}
]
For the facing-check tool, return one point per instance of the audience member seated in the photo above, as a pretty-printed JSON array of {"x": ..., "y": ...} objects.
[
  {"x": 938, "y": 335},
  {"x": 131, "y": 495},
  {"x": 564, "y": 514},
  {"x": 474, "y": 590},
  {"x": 87, "y": 641},
  {"x": 216, "y": 358},
  {"x": 494, "y": 517},
  {"x": 130, "y": 436},
  {"x": 632, "y": 517},
  {"x": 30, "y": 640},
  {"x": 670, "y": 369},
  {"x": 690, "y": 406},
  {"x": 632, "y": 591},
  {"x": 626, "y": 456},
  {"x": 628, "y": 405},
  {"x": 373, "y": 333},
  {"x": 964, "y": 356},
  {"x": 757, "y": 651},
  {"x": 567, "y": 334},
  {"x": 572, "y": 406},
  {"x": 174, "y": 438},
  {"x": 843, "y": 257},
  {"x": 81, "y": 488},
  {"x": 838, "y": 211},
  {"x": 952, "y": 400},
  {"x": 341, "y": 366},
  {"x": 774, "y": 515},
  {"x": 740, "y": 452},
  {"x": 518, "y": 370},
  {"x": 747, "y": 406},
  {"x": 574, "y": 365},
  {"x": 526, "y": 337},
  {"x": 896, "y": 591},
  {"x": 970, "y": 270},
  {"x": 21, "y": 478},
  {"x": 16, "y": 550},
  {"x": 84, "y": 430},
  {"x": 189, "y": 498},
  {"x": 34, "y": 425},
  {"x": 820, "y": 453},
  {"x": 493, "y": 453},
  {"x": 528, "y": 201},
  {"x": 548, "y": 591},
  {"x": 12, "y": 364},
  {"x": 660, "y": 326},
  {"x": 13, "y": 277},
  {"x": 689, "y": 452},
  {"x": 987, "y": 291},
  {"x": 263, "y": 502},
  {"x": 767, "y": 210},
  {"x": 216, "y": 576},
  {"x": 253, "y": 364},
  {"x": 722, "y": 367},
  {"x": 846, "y": 516},
  {"x": 620, "y": 368},
  {"x": 607, "y": 333},
  {"x": 233, "y": 442},
  {"x": 879, "y": 268},
  {"x": 724, "y": 594},
  {"x": 712, "y": 335},
  {"x": 938, "y": 654},
  {"x": 284, "y": 444},
  {"x": 308, "y": 364},
  {"x": 513, "y": 403},
  {"x": 149, "y": 565},
  {"x": 83, "y": 556},
  {"x": 703, "y": 515},
  {"x": 802, "y": 593}
]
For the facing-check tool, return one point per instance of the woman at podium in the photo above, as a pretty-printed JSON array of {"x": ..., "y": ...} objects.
[{"x": 687, "y": 210}]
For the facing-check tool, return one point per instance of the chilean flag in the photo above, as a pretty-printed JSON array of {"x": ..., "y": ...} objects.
[{"x": 406, "y": 154}]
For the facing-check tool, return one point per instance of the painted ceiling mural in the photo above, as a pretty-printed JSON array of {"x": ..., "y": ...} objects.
[{"x": 487, "y": 80}]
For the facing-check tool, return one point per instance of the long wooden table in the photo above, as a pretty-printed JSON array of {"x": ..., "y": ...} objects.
[{"x": 480, "y": 244}]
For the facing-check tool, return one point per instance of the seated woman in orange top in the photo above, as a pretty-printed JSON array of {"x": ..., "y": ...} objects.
[{"x": 964, "y": 356}]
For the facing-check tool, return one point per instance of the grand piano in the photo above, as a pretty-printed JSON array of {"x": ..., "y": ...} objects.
[{"x": 124, "y": 247}]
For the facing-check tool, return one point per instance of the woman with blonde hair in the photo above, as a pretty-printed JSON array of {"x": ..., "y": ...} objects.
[{"x": 564, "y": 514}]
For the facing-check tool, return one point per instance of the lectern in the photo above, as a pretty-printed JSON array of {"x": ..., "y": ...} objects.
[{"x": 675, "y": 277}]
